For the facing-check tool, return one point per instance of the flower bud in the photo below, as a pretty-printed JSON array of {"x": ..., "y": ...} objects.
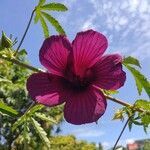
[{"x": 5, "y": 41}]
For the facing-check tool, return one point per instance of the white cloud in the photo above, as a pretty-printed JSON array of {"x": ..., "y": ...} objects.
[
  {"x": 126, "y": 21},
  {"x": 143, "y": 7},
  {"x": 133, "y": 5},
  {"x": 123, "y": 20},
  {"x": 89, "y": 23}
]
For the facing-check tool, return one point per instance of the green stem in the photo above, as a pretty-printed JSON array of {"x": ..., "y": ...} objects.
[
  {"x": 118, "y": 101},
  {"x": 27, "y": 28},
  {"x": 123, "y": 103},
  {"x": 17, "y": 62}
]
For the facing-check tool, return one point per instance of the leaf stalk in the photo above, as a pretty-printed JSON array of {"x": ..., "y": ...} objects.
[{"x": 26, "y": 30}]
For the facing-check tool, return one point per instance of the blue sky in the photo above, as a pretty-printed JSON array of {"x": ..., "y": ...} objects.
[{"x": 126, "y": 24}]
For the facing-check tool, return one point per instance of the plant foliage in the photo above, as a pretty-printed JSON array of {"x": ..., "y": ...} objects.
[{"x": 42, "y": 14}]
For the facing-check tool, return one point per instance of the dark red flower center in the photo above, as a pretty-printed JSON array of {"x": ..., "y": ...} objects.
[{"x": 75, "y": 82}]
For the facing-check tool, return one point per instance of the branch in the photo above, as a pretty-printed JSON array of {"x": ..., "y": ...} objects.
[
  {"x": 123, "y": 103},
  {"x": 17, "y": 62},
  {"x": 118, "y": 101}
]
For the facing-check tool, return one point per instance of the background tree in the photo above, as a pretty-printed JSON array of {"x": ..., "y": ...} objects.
[{"x": 146, "y": 145}]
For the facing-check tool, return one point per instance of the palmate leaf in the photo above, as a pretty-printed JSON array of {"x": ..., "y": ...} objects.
[
  {"x": 131, "y": 61},
  {"x": 44, "y": 26},
  {"x": 37, "y": 16},
  {"x": 41, "y": 2},
  {"x": 54, "y": 23},
  {"x": 143, "y": 104},
  {"x": 141, "y": 80},
  {"x": 140, "y": 118},
  {"x": 40, "y": 131},
  {"x": 4, "y": 109},
  {"x": 54, "y": 7},
  {"x": 38, "y": 10},
  {"x": 139, "y": 86},
  {"x": 41, "y": 16},
  {"x": 146, "y": 120},
  {"x": 144, "y": 117}
]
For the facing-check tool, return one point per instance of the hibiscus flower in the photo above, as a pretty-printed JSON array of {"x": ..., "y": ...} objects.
[{"x": 76, "y": 73}]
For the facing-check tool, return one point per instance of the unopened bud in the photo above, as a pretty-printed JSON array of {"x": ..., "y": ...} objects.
[{"x": 5, "y": 41}]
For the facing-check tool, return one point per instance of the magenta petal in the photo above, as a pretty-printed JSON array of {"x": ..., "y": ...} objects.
[
  {"x": 88, "y": 46},
  {"x": 109, "y": 73},
  {"x": 45, "y": 89},
  {"x": 85, "y": 107},
  {"x": 54, "y": 53}
]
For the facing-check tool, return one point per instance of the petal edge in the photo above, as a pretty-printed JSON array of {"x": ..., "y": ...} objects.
[
  {"x": 54, "y": 53},
  {"x": 88, "y": 47},
  {"x": 45, "y": 89},
  {"x": 85, "y": 108}
]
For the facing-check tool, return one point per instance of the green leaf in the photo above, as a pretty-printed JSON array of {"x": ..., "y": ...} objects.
[
  {"x": 130, "y": 124},
  {"x": 54, "y": 7},
  {"x": 118, "y": 115},
  {"x": 139, "y": 86},
  {"x": 141, "y": 80},
  {"x": 22, "y": 52},
  {"x": 35, "y": 109},
  {"x": 128, "y": 111},
  {"x": 145, "y": 119},
  {"x": 131, "y": 61},
  {"x": 5, "y": 41},
  {"x": 26, "y": 137},
  {"x": 137, "y": 122},
  {"x": 4, "y": 80},
  {"x": 143, "y": 104},
  {"x": 37, "y": 15},
  {"x": 143, "y": 116},
  {"x": 19, "y": 122},
  {"x": 45, "y": 118},
  {"x": 40, "y": 131},
  {"x": 54, "y": 23},
  {"x": 44, "y": 26},
  {"x": 27, "y": 116},
  {"x": 41, "y": 2},
  {"x": 7, "y": 110}
]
